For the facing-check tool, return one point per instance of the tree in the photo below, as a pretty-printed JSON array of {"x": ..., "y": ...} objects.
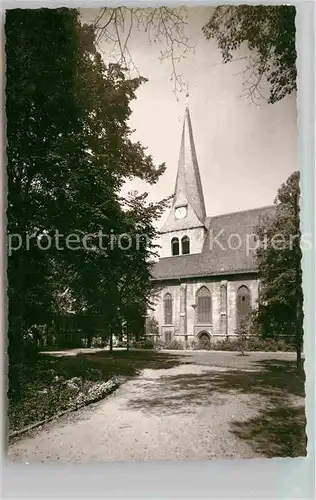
[
  {"x": 40, "y": 110},
  {"x": 69, "y": 152},
  {"x": 114, "y": 26},
  {"x": 279, "y": 256},
  {"x": 269, "y": 32}
]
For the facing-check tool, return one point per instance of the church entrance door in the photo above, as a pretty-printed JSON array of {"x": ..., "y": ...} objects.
[{"x": 204, "y": 340}]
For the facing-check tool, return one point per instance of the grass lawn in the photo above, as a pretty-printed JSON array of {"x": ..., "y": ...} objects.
[{"x": 44, "y": 388}]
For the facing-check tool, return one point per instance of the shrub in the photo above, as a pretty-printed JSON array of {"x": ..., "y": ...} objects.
[
  {"x": 243, "y": 343},
  {"x": 191, "y": 344},
  {"x": 152, "y": 325},
  {"x": 204, "y": 344},
  {"x": 121, "y": 343},
  {"x": 160, "y": 344},
  {"x": 239, "y": 343},
  {"x": 142, "y": 344},
  {"x": 252, "y": 343},
  {"x": 98, "y": 342},
  {"x": 175, "y": 345},
  {"x": 148, "y": 344}
]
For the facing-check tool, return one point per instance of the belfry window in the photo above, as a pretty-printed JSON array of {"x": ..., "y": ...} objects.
[
  {"x": 185, "y": 245},
  {"x": 167, "y": 306},
  {"x": 204, "y": 306},
  {"x": 175, "y": 250}
]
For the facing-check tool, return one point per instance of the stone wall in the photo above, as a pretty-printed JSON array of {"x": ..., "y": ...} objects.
[{"x": 184, "y": 325}]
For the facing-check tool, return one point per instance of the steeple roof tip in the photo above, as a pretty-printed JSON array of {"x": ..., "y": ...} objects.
[{"x": 188, "y": 181}]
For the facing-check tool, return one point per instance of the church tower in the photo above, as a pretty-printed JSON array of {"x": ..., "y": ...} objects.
[{"x": 184, "y": 230}]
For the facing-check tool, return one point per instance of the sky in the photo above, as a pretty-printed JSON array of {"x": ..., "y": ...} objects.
[{"x": 245, "y": 151}]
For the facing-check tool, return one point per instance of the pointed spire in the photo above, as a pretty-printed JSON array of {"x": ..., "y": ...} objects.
[{"x": 188, "y": 183}]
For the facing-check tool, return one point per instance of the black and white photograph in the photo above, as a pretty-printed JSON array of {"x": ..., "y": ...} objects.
[{"x": 154, "y": 241}]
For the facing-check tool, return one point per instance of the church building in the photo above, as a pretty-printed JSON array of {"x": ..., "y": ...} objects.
[{"x": 206, "y": 279}]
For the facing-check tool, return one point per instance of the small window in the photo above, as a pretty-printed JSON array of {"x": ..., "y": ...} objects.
[
  {"x": 185, "y": 243},
  {"x": 175, "y": 250},
  {"x": 167, "y": 309}
]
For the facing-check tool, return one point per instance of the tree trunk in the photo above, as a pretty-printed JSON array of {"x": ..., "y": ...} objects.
[
  {"x": 299, "y": 334},
  {"x": 15, "y": 355},
  {"x": 298, "y": 357},
  {"x": 111, "y": 341},
  {"x": 127, "y": 341},
  {"x": 89, "y": 340}
]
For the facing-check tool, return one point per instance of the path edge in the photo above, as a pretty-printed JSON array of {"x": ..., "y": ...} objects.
[{"x": 115, "y": 385}]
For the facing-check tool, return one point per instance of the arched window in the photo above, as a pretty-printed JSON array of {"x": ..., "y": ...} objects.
[
  {"x": 204, "y": 306},
  {"x": 185, "y": 244},
  {"x": 223, "y": 298},
  {"x": 223, "y": 320},
  {"x": 243, "y": 305},
  {"x": 167, "y": 306},
  {"x": 175, "y": 246}
]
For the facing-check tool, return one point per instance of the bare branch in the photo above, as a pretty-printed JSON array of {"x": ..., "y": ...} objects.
[{"x": 163, "y": 25}]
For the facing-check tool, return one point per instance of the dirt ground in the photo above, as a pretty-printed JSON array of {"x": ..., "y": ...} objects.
[{"x": 212, "y": 405}]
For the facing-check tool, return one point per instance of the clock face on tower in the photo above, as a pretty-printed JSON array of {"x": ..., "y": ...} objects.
[{"x": 180, "y": 212}]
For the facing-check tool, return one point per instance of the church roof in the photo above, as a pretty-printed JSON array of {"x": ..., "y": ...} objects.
[
  {"x": 188, "y": 188},
  {"x": 223, "y": 253}
]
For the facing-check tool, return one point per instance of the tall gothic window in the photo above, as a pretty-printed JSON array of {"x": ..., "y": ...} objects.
[
  {"x": 243, "y": 304},
  {"x": 223, "y": 298},
  {"x": 185, "y": 244},
  {"x": 175, "y": 250},
  {"x": 204, "y": 306},
  {"x": 167, "y": 305}
]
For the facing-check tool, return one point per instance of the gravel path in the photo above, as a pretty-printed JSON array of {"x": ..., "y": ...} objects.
[
  {"x": 185, "y": 412},
  {"x": 150, "y": 417}
]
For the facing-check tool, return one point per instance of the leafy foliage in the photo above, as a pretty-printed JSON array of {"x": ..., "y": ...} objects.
[
  {"x": 279, "y": 262},
  {"x": 173, "y": 345},
  {"x": 269, "y": 32},
  {"x": 69, "y": 152},
  {"x": 252, "y": 343},
  {"x": 152, "y": 326}
]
